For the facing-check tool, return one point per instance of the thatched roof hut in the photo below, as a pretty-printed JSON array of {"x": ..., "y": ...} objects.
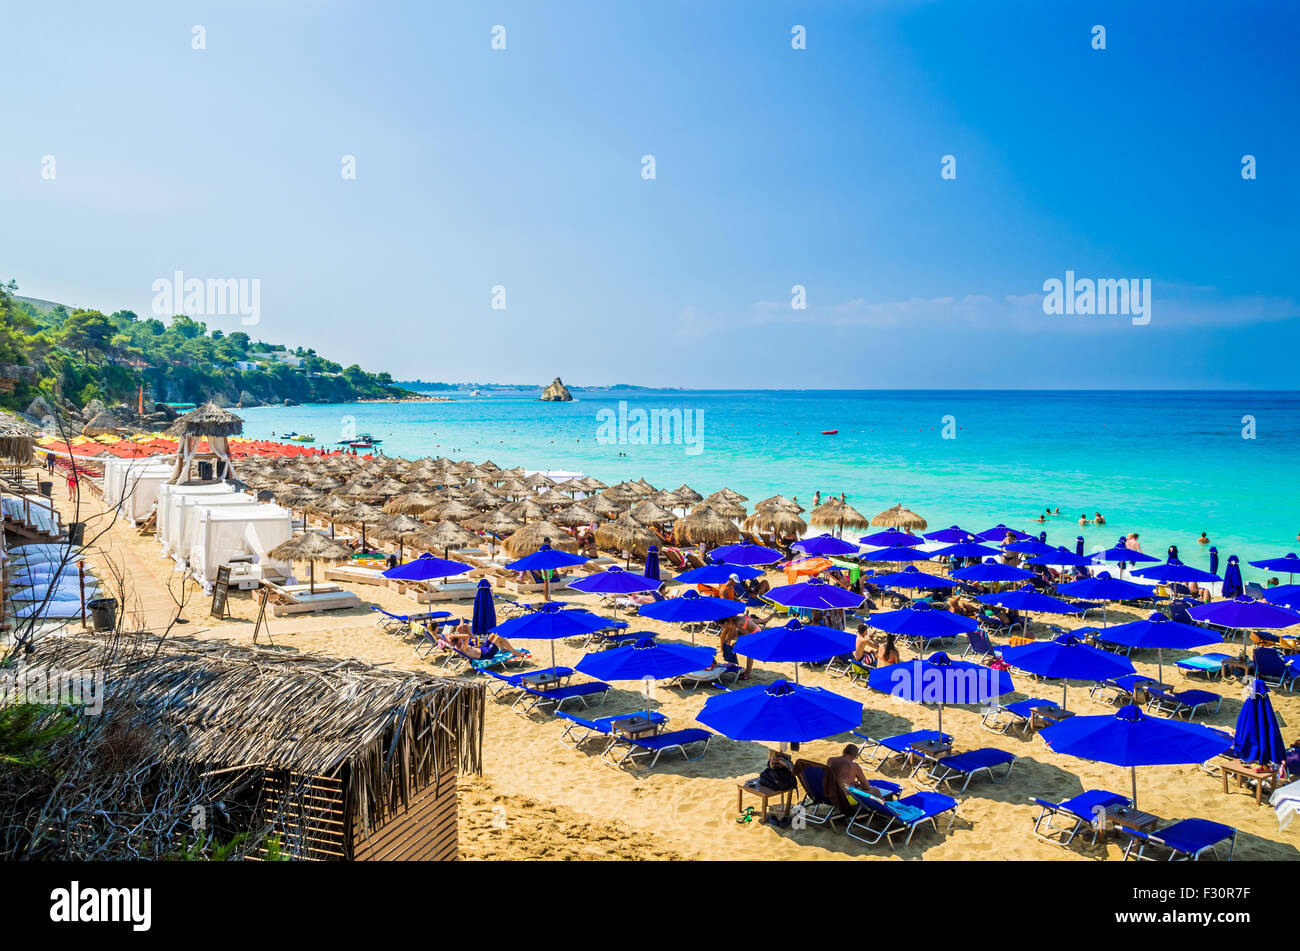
[
  {"x": 208, "y": 420},
  {"x": 899, "y": 517},
  {"x": 684, "y": 491},
  {"x": 649, "y": 513},
  {"x": 576, "y": 514},
  {"x": 531, "y": 537},
  {"x": 311, "y": 547},
  {"x": 625, "y": 535},
  {"x": 445, "y": 536},
  {"x": 706, "y": 525},
  {"x": 785, "y": 524},
  {"x": 836, "y": 514},
  {"x": 324, "y": 758}
]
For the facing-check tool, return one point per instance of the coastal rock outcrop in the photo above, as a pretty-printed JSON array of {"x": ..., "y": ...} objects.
[
  {"x": 39, "y": 409},
  {"x": 557, "y": 392},
  {"x": 104, "y": 423}
]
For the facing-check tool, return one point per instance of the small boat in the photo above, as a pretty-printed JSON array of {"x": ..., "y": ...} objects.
[
  {"x": 304, "y": 437},
  {"x": 829, "y": 432},
  {"x": 364, "y": 441}
]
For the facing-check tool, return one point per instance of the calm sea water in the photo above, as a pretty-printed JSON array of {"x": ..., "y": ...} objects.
[{"x": 1168, "y": 465}]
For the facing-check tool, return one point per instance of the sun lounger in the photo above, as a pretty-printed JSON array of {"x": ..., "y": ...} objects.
[
  {"x": 980, "y": 645},
  {"x": 1272, "y": 668},
  {"x": 533, "y": 697},
  {"x": 890, "y": 746},
  {"x": 816, "y": 807},
  {"x": 1001, "y": 718},
  {"x": 711, "y": 675},
  {"x": 877, "y": 818},
  {"x": 1210, "y": 664},
  {"x": 1185, "y": 840},
  {"x": 355, "y": 574},
  {"x": 1125, "y": 687},
  {"x": 299, "y": 599},
  {"x": 600, "y": 726},
  {"x": 658, "y": 744},
  {"x": 970, "y": 764},
  {"x": 1184, "y": 702},
  {"x": 1076, "y": 813}
]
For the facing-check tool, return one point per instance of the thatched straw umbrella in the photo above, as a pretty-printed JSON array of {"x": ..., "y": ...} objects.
[
  {"x": 399, "y": 528},
  {"x": 444, "y": 535},
  {"x": 724, "y": 506},
  {"x": 481, "y": 498},
  {"x": 209, "y": 422},
  {"x": 453, "y": 511},
  {"x": 16, "y": 446},
  {"x": 706, "y": 525},
  {"x": 311, "y": 547},
  {"x": 603, "y": 506},
  {"x": 499, "y": 525},
  {"x": 837, "y": 515},
  {"x": 649, "y": 513},
  {"x": 526, "y": 510},
  {"x": 685, "y": 492},
  {"x": 411, "y": 504},
  {"x": 531, "y": 537},
  {"x": 729, "y": 494},
  {"x": 590, "y": 484},
  {"x": 362, "y": 515},
  {"x": 784, "y": 524},
  {"x": 899, "y": 517},
  {"x": 538, "y": 481},
  {"x": 626, "y": 535},
  {"x": 576, "y": 514},
  {"x": 514, "y": 489},
  {"x": 779, "y": 502}
]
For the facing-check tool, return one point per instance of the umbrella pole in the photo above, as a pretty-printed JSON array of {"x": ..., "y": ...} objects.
[
  {"x": 1160, "y": 664},
  {"x": 1134, "y": 772},
  {"x": 311, "y": 576}
]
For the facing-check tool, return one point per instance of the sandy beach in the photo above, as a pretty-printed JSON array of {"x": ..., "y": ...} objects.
[{"x": 540, "y": 799}]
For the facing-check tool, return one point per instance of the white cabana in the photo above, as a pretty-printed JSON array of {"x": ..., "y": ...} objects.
[
  {"x": 131, "y": 485},
  {"x": 169, "y": 503},
  {"x": 185, "y": 513},
  {"x": 224, "y": 533}
]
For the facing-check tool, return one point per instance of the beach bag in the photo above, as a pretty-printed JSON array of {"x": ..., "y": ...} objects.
[{"x": 777, "y": 777}]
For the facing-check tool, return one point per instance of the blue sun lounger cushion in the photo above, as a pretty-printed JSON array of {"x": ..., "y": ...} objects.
[
  {"x": 1188, "y": 838},
  {"x": 1210, "y": 664},
  {"x": 661, "y": 743},
  {"x": 971, "y": 763},
  {"x": 533, "y": 697},
  {"x": 1185, "y": 701},
  {"x": 600, "y": 726},
  {"x": 895, "y": 816},
  {"x": 1078, "y": 811}
]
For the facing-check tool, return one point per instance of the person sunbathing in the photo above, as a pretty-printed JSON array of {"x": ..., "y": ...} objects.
[{"x": 846, "y": 771}]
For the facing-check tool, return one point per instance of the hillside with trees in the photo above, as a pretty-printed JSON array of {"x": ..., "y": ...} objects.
[{"x": 76, "y": 356}]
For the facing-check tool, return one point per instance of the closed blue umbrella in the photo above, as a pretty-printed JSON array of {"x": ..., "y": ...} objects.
[
  {"x": 889, "y": 538},
  {"x": 1131, "y": 738},
  {"x": 1246, "y": 614},
  {"x": 1078, "y": 545},
  {"x": 942, "y": 680},
  {"x": 966, "y": 550},
  {"x": 796, "y": 643},
  {"x": 816, "y": 595},
  {"x": 912, "y": 577},
  {"x": 551, "y": 622},
  {"x": 950, "y": 536},
  {"x": 781, "y": 712},
  {"x": 1258, "y": 737},
  {"x": 747, "y": 553},
  {"x": 992, "y": 571},
  {"x": 1214, "y": 560},
  {"x": 652, "y": 563},
  {"x": 1158, "y": 632},
  {"x": 1068, "y": 658},
  {"x": 825, "y": 544},
  {"x": 1290, "y": 563},
  {"x": 1233, "y": 584},
  {"x": 921, "y": 620},
  {"x": 717, "y": 573},
  {"x": 645, "y": 660},
  {"x": 485, "y": 611}
]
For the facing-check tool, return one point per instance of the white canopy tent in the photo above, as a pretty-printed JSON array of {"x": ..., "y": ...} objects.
[
  {"x": 169, "y": 503},
  {"x": 186, "y": 511},
  {"x": 131, "y": 485},
  {"x": 223, "y": 533}
]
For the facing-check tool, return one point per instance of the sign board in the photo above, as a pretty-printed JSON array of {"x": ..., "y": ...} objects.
[{"x": 220, "y": 590}]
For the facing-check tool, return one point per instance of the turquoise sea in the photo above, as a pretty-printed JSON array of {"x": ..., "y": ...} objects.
[{"x": 1168, "y": 465}]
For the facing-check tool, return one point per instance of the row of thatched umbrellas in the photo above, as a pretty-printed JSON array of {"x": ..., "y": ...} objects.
[{"x": 436, "y": 504}]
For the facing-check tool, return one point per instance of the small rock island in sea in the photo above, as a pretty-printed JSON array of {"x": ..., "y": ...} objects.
[{"x": 557, "y": 392}]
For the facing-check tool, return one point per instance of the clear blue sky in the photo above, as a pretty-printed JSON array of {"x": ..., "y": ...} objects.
[{"x": 775, "y": 167}]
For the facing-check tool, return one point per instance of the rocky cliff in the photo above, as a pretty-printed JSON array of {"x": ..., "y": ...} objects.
[{"x": 557, "y": 392}]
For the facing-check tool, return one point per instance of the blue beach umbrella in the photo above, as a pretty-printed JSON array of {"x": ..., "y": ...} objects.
[
  {"x": 717, "y": 573},
  {"x": 1175, "y": 572},
  {"x": 912, "y": 577},
  {"x": 652, "y": 563},
  {"x": 1131, "y": 738},
  {"x": 1158, "y": 632},
  {"x": 747, "y": 553},
  {"x": 1031, "y": 547},
  {"x": 1104, "y": 588},
  {"x": 816, "y": 595},
  {"x": 942, "y": 680},
  {"x": 921, "y": 620},
  {"x": 966, "y": 550},
  {"x": 999, "y": 531},
  {"x": 992, "y": 571},
  {"x": 1287, "y": 595},
  {"x": 1068, "y": 658},
  {"x": 645, "y": 660},
  {"x": 825, "y": 544},
  {"x": 1214, "y": 561},
  {"x": 950, "y": 536},
  {"x": 890, "y": 537},
  {"x": 551, "y": 622},
  {"x": 781, "y": 712},
  {"x": 1290, "y": 563},
  {"x": 1062, "y": 557},
  {"x": 1028, "y": 598},
  {"x": 1078, "y": 545},
  {"x": 1122, "y": 555},
  {"x": 426, "y": 568},
  {"x": 485, "y": 611},
  {"x": 546, "y": 559},
  {"x": 1258, "y": 737},
  {"x": 899, "y": 553},
  {"x": 615, "y": 580},
  {"x": 1233, "y": 584},
  {"x": 691, "y": 607},
  {"x": 1245, "y": 614},
  {"x": 795, "y": 642}
]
